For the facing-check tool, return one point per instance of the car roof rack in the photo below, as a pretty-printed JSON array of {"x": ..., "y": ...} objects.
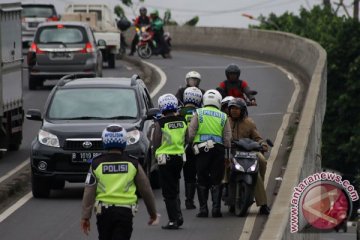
[
  {"x": 67, "y": 78},
  {"x": 134, "y": 78}
]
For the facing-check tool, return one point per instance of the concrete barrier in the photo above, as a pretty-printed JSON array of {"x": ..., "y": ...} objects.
[{"x": 304, "y": 58}]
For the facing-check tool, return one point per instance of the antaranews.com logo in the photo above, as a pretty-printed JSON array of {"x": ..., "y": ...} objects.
[{"x": 321, "y": 201}]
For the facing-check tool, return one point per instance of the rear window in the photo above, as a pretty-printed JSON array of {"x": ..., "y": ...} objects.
[
  {"x": 38, "y": 11},
  {"x": 61, "y": 33}
]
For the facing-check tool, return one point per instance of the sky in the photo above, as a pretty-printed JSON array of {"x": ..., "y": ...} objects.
[{"x": 212, "y": 13}]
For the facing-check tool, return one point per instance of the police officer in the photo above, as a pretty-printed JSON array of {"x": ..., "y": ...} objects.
[
  {"x": 210, "y": 133},
  {"x": 169, "y": 142},
  {"x": 111, "y": 184},
  {"x": 192, "y": 79},
  {"x": 192, "y": 100}
]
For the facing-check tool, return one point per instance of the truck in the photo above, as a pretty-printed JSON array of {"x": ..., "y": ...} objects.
[
  {"x": 103, "y": 24},
  {"x": 11, "y": 77}
]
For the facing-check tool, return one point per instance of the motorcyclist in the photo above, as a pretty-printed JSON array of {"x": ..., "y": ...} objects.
[
  {"x": 169, "y": 140},
  {"x": 192, "y": 100},
  {"x": 243, "y": 126},
  {"x": 157, "y": 25},
  {"x": 111, "y": 186},
  {"x": 210, "y": 133},
  {"x": 233, "y": 86},
  {"x": 192, "y": 79},
  {"x": 141, "y": 20}
]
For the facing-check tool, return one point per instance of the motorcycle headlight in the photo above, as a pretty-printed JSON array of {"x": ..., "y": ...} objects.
[
  {"x": 252, "y": 168},
  {"x": 48, "y": 139},
  {"x": 238, "y": 166},
  {"x": 133, "y": 137}
]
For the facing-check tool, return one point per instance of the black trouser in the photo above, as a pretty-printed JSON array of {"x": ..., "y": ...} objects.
[
  {"x": 162, "y": 47},
  {"x": 169, "y": 177},
  {"x": 210, "y": 166},
  {"x": 190, "y": 167},
  {"x": 115, "y": 223},
  {"x": 134, "y": 43}
]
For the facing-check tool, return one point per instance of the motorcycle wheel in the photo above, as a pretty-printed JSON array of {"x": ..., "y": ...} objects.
[
  {"x": 144, "y": 51},
  {"x": 243, "y": 198}
]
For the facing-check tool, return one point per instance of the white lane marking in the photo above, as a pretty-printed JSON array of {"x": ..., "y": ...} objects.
[
  {"x": 10, "y": 173},
  {"x": 250, "y": 219},
  {"x": 163, "y": 78},
  {"x": 28, "y": 196},
  {"x": 15, "y": 206},
  {"x": 128, "y": 68}
]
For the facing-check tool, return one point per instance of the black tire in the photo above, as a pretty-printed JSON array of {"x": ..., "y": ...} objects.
[
  {"x": 243, "y": 196},
  {"x": 40, "y": 186},
  {"x": 16, "y": 141},
  {"x": 58, "y": 184},
  {"x": 111, "y": 60},
  {"x": 144, "y": 51}
]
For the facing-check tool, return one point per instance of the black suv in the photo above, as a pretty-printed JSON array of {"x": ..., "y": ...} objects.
[{"x": 76, "y": 112}]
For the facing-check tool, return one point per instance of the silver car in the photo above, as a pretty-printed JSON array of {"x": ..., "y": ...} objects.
[
  {"x": 32, "y": 15},
  {"x": 62, "y": 48}
]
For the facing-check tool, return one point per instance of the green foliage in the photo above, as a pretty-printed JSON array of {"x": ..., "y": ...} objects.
[
  {"x": 192, "y": 22},
  {"x": 340, "y": 38},
  {"x": 119, "y": 11}
]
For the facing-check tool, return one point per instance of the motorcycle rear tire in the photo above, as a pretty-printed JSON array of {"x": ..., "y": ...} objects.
[
  {"x": 144, "y": 51},
  {"x": 243, "y": 198}
]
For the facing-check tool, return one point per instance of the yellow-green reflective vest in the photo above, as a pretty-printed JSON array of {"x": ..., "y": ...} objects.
[
  {"x": 188, "y": 113},
  {"x": 211, "y": 123},
  {"x": 173, "y": 130},
  {"x": 115, "y": 183}
]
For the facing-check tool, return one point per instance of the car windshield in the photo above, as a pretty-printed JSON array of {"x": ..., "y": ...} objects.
[
  {"x": 63, "y": 34},
  {"x": 37, "y": 11},
  {"x": 94, "y": 103}
]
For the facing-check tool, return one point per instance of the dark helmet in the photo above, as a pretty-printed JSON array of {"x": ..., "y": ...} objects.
[
  {"x": 232, "y": 68},
  {"x": 143, "y": 10},
  {"x": 239, "y": 103}
]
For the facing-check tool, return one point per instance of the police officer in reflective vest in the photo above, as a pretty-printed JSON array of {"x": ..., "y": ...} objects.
[
  {"x": 110, "y": 186},
  {"x": 169, "y": 142},
  {"x": 192, "y": 100},
  {"x": 210, "y": 133}
]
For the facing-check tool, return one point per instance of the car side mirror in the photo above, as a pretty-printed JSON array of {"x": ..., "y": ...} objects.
[
  {"x": 101, "y": 43},
  {"x": 152, "y": 113},
  {"x": 34, "y": 114}
]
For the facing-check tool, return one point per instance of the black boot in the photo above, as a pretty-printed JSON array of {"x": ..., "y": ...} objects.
[
  {"x": 216, "y": 192},
  {"x": 171, "y": 208},
  {"x": 203, "y": 194},
  {"x": 190, "y": 189},
  {"x": 180, "y": 219}
]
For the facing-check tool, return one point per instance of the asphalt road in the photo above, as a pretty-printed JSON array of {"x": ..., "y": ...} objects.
[{"x": 58, "y": 217}]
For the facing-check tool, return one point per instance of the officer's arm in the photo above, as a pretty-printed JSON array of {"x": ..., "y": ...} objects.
[
  {"x": 88, "y": 201},
  {"x": 143, "y": 186},
  {"x": 157, "y": 136},
  {"x": 227, "y": 138},
  {"x": 193, "y": 127}
]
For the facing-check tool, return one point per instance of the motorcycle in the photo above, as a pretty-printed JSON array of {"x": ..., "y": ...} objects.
[
  {"x": 244, "y": 170},
  {"x": 147, "y": 45}
]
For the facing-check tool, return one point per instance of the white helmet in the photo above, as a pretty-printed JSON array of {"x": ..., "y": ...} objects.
[
  {"x": 192, "y": 95},
  {"x": 226, "y": 100},
  {"x": 168, "y": 102},
  {"x": 193, "y": 75},
  {"x": 212, "y": 97}
]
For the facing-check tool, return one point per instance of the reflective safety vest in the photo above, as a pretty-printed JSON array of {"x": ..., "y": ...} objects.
[
  {"x": 115, "y": 179},
  {"x": 211, "y": 123},
  {"x": 173, "y": 135}
]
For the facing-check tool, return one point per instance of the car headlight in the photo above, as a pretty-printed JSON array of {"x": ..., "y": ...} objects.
[
  {"x": 48, "y": 139},
  {"x": 133, "y": 137}
]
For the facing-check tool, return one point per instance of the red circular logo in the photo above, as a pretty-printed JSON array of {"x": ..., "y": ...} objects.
[{"x": 325, "y": 206}]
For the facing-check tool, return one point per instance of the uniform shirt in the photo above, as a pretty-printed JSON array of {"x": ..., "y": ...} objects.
[
  {"x": 93, "y": 187},
  {"x": 194, "y": 125}
]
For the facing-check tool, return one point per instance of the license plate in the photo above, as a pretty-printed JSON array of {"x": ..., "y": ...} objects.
[
  {"x": 33, "y": 24},
  {"x": 61, "y": 55},
  {"x": 83, "y": 156}
]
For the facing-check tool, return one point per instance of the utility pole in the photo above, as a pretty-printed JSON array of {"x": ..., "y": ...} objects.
[
  {"x": 327, "y": 3},
  {"x": 356, "y": 10}
]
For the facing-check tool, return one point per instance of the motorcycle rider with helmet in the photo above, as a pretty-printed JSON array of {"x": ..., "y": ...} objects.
[
  {"x": 157, "y": 25},
  {"x": 243, "y": 126},
  {"x": 141, "y": 20},
  {"x": 192, "y": 100},
  {"x": 169, "y": 139},
  {"x": 210, "y": 135},
  {"x": 192, "y": 79},
  {"x": 234, "y": 86},
  {"x": 110, "y": 186},
  {"x": 224, "y": 104}
]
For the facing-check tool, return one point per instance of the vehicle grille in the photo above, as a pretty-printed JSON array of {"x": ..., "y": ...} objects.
[
  {"x": 83, "y": 144},
  {"x": 33, "y": 24}
]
